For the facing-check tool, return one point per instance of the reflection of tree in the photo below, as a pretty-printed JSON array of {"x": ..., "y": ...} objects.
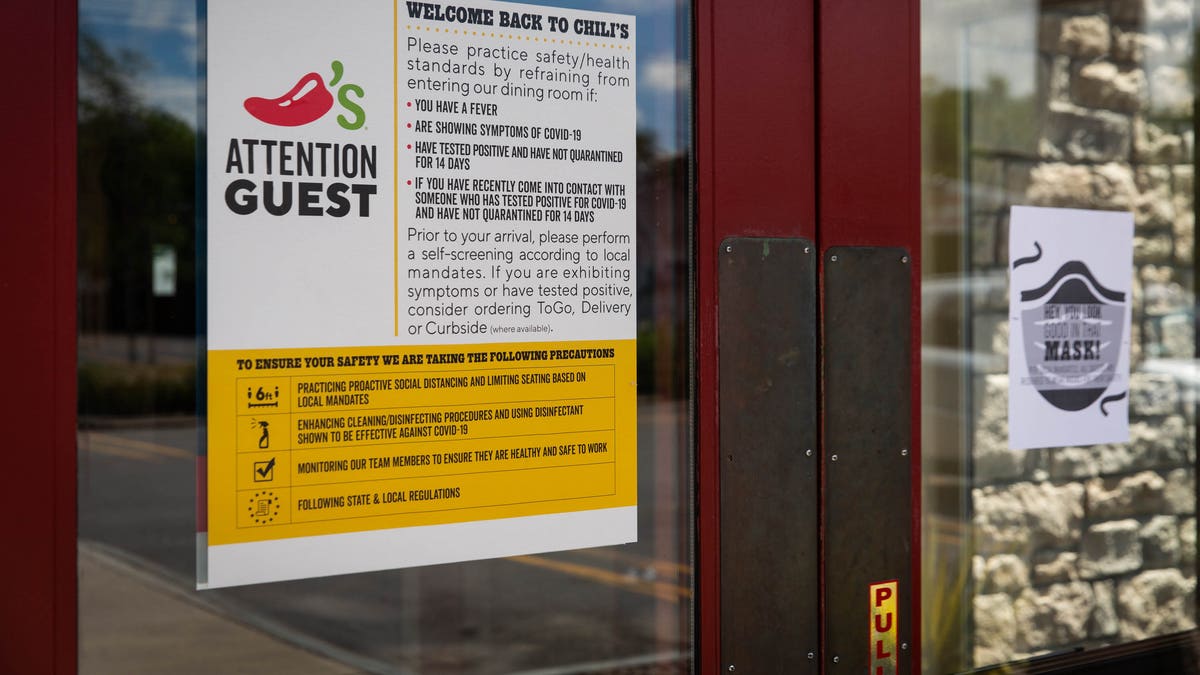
[
  {"x": 136, "y": 190},
  {"x": 136, "y": 186},
  {"x": 970, "y": 137},
  {"x": 988, "y": 119},
  {"x": 941, "y": 112},
  {"x": 662, "y": 267}
]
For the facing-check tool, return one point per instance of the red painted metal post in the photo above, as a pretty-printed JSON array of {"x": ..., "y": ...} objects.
[
  {"x": 755, "y": 151},
  {"x": 37, "y": 293},
  {"x": 870, "y": 161}
]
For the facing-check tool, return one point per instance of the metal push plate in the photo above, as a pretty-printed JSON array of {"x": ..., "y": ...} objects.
[
  {"x": 767, "y": 356},
  {"x": 868, "y": 487}
]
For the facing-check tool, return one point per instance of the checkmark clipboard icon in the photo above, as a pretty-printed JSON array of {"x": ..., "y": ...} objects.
[{"x": 264, "y": 471}]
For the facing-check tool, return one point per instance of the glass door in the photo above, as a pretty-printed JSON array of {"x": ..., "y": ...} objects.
[
  {"x": 1073, "y": 547},
  {"x": 142, "y": 427}
]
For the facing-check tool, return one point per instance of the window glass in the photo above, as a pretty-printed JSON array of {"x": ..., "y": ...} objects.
[
  {"x": 141, "y": 365},
  {"x": 1081, "y": 104}
]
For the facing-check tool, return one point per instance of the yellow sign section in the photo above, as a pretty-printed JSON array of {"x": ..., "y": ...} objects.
[
  {"x": 884, "y": 618},
  {"x": 306, "y": 442}
]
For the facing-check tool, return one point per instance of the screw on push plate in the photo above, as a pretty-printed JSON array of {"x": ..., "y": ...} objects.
[
  {"x": 904, "y": 452},
  {"x": 904, "y": 259},
  {"x": 904, "y": 645},
  {"x": 807, "y": 249},
  {"x": 811, "y": 656},
  {"x": 837, "y": 659},
  {"x": 808, "y": 452},
  {"x": 833, "y": 258},
  {"x": 732, "y": 668},
  {"x": 834, "y": 458},
  {"x": 729, "y": 249}
]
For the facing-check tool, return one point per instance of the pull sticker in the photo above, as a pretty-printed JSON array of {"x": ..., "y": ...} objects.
[{"x": 884, "y": 630}]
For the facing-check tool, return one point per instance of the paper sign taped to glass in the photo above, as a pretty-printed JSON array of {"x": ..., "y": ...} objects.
[
  {"x": 1071, "y": 273},
  {"x": 421, "y": 285}
]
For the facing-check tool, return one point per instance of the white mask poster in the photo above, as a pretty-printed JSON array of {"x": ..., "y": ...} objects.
[
  {"x": 1069, "y": 327},
  {"x": 421, "y": 285}
]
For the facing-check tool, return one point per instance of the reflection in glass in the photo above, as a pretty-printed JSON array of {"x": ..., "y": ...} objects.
[
  {"x": 1066, "y": 104},
  {"x": 579, "y": 611}
]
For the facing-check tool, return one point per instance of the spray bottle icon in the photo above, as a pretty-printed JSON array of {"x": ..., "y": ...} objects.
[{"x": 264, "y": 441}]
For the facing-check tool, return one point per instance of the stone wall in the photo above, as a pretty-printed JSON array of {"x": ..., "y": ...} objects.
[{"x": 1092, "y": 545}]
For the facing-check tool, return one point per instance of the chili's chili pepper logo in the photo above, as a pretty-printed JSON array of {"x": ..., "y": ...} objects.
[{"x": 309, "y": 100}]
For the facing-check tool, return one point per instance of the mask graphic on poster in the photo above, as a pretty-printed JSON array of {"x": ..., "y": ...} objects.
[{"x": 1072, "y": 333}]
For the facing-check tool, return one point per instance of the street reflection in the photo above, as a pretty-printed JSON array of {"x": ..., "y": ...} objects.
[{"x": 592, "y": 609}]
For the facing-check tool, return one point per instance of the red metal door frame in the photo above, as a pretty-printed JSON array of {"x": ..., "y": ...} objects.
[
  {"x": 869, "y": 189},
  {"x": 37, "y": 294},
  {"x": 808, "y": 121},
  {"x": 807, "y": 125},
  {"x": 756, "y": 169}
]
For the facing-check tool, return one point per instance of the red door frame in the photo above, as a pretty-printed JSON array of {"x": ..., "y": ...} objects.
[
  {"x": 37, "y": 294},
  {"x": 799, "y": 106},
  {"x": 756, "y": 169},
  {"x": 808, "y": 125},
  {"x": 869, "y": 152}
]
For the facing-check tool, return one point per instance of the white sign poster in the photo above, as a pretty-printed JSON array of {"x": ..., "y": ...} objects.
[
  {"x": 421, "y": 284},
  {"x": 1069, "y": 323}
]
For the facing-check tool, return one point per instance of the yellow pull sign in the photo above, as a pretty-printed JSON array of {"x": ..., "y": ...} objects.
[{"x": 884, "y": 619}]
